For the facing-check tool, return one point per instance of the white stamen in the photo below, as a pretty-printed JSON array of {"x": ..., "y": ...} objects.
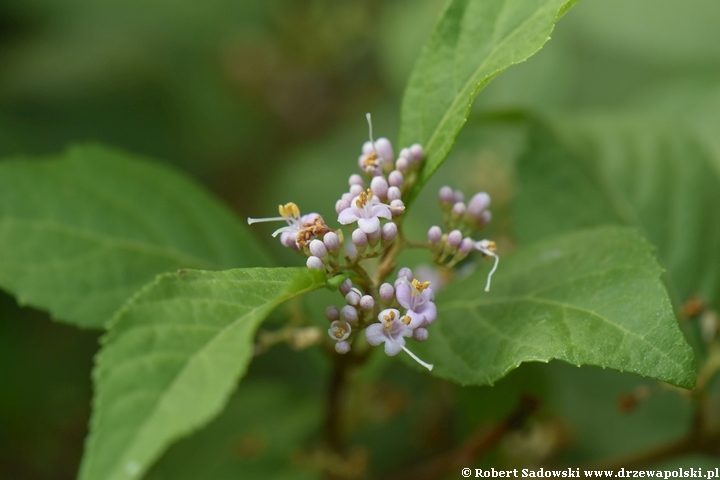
[
  {"x": 497, "y": 259},
  {"x": 269, "y": 219},
  {"x": 369, "y": 120},
  {"x": 289, "y": 228},
  {"x": 429, "y": 366}
]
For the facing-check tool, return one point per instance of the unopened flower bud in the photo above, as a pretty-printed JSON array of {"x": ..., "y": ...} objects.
[
  {"x": 341, "y": 205},
  {"x": 346, "y": 286},
  {"x": 394, "y": 193},
  {"x": 387, "y": 292},
  {"x": 332, "y": 313},
  {"x": 397, "y": 208},
  {"x": 478, "y": 204},
  {"x": 454, "y": 238},
  {"x": 347, "y": 197},
  {"x": 384, "y": 149},
  {"x": 458, "y": 196},
  {"x": 353, "y": 297},
  {"x": 485, "y": 217},
  {"x": 405, "y": 273},
  {"x": 288, "y": 241},
  {"x": 314, "y": 263},
  {"x": 367, "y": 303},
  {"x": 359, "y": 238},
  {"x": 355, "y": 190},
  {"x": 434, "y": 234},
  {"x": 368, "y": 148},
  {"x": 389, "y": 230},
  {"x": 356, "y": 179},
  {"x": 317, "y": 248},
  {"x": 350, "y": 250},
  {"x": 417, "y": 152},
  {"x": 331, "y": 241},
  {"x": 459, "y": 209},
  {"x": 406, "y": 154},
  {"x": 395, "y": 179},
  {"x": 446, "y": 195},
  {"x": 349, "y": 313},
  {"x": 467, "y": 245},
  {"x": 420, "y": 334},
  {"x": 342, "y": 347},
  {"x": 379, "y": 187},
  {"x": 402, "y": 164}
]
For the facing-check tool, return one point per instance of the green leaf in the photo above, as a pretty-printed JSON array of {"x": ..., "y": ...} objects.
[
  {"x": 587, "y": 298},
  {"x": 473, "y": 42},
  {"x": 81, "y": 233},
  {"x": 173, "y": 356},
  {"x": 620, "y": 169},
  {"x": 256, "y": 436}
]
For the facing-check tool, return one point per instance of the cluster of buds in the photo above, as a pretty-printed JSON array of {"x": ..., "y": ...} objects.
[
  {"x": 460, "y": 221},
  {"x": 372, "y": 209}
]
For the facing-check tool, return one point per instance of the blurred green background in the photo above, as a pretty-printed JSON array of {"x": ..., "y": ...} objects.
[{"x": 264, "y": 102}]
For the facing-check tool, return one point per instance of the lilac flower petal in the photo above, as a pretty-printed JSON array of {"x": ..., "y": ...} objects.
[
  {"x": 392, "y": 348},
  {"x": 403, "y": 293},
  {"x": 375, "y": 334},
  {"x": 368, "y": 225},
  {"x": 380, "y": 210},
  {"x": 347, "y": 216}
]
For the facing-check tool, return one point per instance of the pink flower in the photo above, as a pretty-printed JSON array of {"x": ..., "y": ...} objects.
[{"x": 366, "y": 210}]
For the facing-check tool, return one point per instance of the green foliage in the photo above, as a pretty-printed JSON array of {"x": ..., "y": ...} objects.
[
  {"x": 473, "y": 42},
  {"x": 628, "y": 170},
  {"x": 80, "y": 233},
  {"x": 588, "y": 298},
  {"x": 255, "y": 437},
  {"x": 172, "y": 358}
]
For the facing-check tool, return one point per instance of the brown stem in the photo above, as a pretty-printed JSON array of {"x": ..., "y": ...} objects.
[
  {"x": 480, "y": 442},
  {"x": 678, "y": 448},
  {"x": 332, "y": 428}
]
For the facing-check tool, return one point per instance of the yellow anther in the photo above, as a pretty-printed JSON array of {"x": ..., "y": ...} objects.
[
  {"x": 492, "y": 246},
  {"x": 364, "y": 197},
  {"x": 339, "y": 332},
  {"x": 389, "y": 317},
  {"x": 289, "y": 210},
  {"x": 369, "y": 161},
  {"x": 419, "y": 286},
  {"x": 406, "y": 320}
]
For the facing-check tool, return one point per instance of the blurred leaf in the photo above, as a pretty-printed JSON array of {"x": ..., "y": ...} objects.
[
  {"x": 588, "y": 298},
  {"x": 631, "y": 170},
  {"x": 263, "y": 425},
  {"x": 172, "y": 358},
  {"x": 79, "y": 234},
  {"x": 473, "y": 42}
]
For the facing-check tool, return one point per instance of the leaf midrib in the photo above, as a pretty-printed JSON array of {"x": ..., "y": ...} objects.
[
  {"x": 191, "y": 359},
  {"x": 471, "y": 80},
  {"x": 557, "y": 303}
]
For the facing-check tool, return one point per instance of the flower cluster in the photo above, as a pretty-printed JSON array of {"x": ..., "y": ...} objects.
[{"x": 372, "y": 210}]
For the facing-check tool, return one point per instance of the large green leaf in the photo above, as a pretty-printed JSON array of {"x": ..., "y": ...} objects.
[
  {"x": 80, "y": 233},
  {"x": 473, "y": 42},
  {"x": 587, "y": 298},
  {"x": 618, "y": 169},
  {"x": 172, "y": 358},
  {"x": 256, "y": 436}
]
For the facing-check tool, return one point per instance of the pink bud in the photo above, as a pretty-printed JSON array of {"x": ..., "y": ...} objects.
[
  {"x": 478, "y": 204},
  {"x": 356, "y": 179},
  {"x": 359, "y": 238},
  {"x": 387, "y": 292},
  {"x": 379, "y": 186},
  {"x": 317, "y": 248},
  {"x": 389, "y": 230},
  {"x": 331, "y": 241},
  {"x": 394, "y": 193},
  {"x": 434, "y": 234},
  {"x": 466, "y": 245},
  {"x": 395, "y": 179},
  {"x": 420, "y": 334},
  {"x": 402, "y": 164},
  {"x": 314, "y": 263},
  {"x": 417, "y": 152},
  {"x": 384, "y": 149},
  {"x": 346, "y": 286},
  {"x": 454, "y": 238},
  {"x": 459, "y": 209},
  {"x": 367, "y": 303},
  {"x": 446, "y": 195},
  {"x": 342, "y": 347},
  {"x": 349, "y": 313},
  {"x": 332, "y": 313}
]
